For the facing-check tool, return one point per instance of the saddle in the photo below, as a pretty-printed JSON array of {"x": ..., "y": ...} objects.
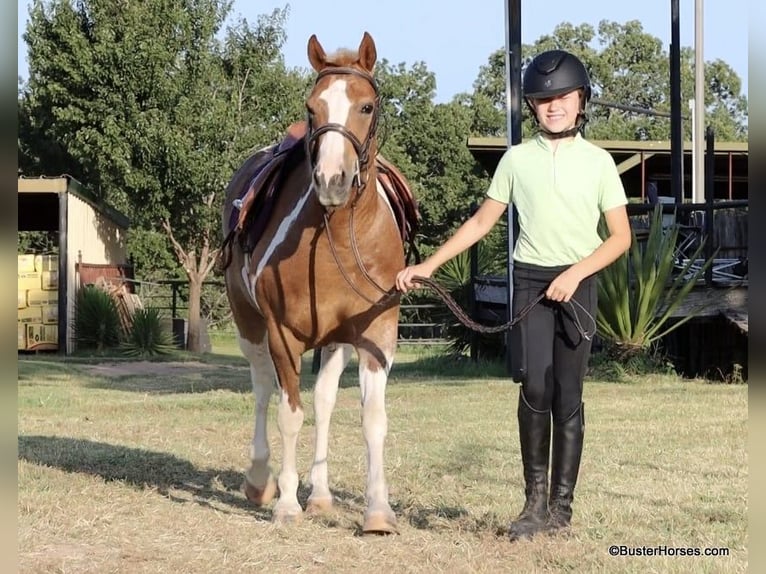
[{"x": 254, "y": 206}]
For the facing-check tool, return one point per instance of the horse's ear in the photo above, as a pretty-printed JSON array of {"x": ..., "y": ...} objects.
[
  {"x": 317, "y": 57},
  {"x": 367, "y": 52}
]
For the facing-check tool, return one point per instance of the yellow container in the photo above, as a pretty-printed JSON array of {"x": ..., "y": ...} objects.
[
  {"x": 30, "y": 280},
  {"x": 50, "y": 279},
  {"x": 46, "y": 262},
  {"x": 30, "y": 315},
  {"x": 42, "y": 337},
  {"x": 22, "y": 298},
  {"x": 22, "y": 335},
  {"x": 26, "y": 263},
  {"x": 49, "y": 313},
  {"x": 40, "y": 297}
]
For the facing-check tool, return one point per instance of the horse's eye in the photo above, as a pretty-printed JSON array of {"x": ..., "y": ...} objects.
[{"x": 367, "y": 108}]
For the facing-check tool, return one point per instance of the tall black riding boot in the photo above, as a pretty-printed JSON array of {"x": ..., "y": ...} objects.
[
  {"x": 535, "y": 440},
  {"x": 565, "y": 465}
]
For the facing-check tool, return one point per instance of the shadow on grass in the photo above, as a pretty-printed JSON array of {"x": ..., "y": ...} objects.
[
  {"x": 139, "y": 468},
  {"x": 165, "y": 473}
]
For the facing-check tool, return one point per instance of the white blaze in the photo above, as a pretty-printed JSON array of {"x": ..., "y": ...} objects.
[{"x": 330, "y": 154}]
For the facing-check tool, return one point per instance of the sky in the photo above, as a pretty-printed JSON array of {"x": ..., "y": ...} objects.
[{"x": 455, "y": 41}]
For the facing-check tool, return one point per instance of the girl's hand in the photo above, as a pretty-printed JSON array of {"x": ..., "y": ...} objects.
[
  {"x": 564, "y": 286},
  {"x": 404, "y": 281}
]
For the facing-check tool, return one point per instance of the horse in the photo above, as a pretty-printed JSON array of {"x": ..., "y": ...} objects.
[{"x": 318, "y": 272}]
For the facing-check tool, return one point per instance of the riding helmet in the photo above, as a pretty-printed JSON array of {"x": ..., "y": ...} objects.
[{"x": 553, "y": 73}]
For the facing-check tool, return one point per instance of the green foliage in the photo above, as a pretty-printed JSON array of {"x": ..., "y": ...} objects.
[
  {"x": 151, "y": 257},
  {"x": 147, "y": 336},
  {"x": 97, "y": 321},
  {"x": 37, "y": 242},
  {"x": 627, "y": 66},
  {"x": 638, "y": 293}
]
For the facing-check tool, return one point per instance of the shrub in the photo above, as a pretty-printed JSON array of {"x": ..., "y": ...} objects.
[
  {"x": 147, "y": 337},
  {"x": 97, "y": 321}
]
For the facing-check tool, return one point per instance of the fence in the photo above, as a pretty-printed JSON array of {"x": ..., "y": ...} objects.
[
  {"x": 416, "y": 325},
  {"x": 724, "y": 222}
]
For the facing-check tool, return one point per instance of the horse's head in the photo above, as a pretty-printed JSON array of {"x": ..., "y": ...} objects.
[{"x": 343, "y": 113}]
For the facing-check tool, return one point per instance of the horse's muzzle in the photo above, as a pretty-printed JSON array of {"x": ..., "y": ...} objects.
[{"x": 333, "y": 196}]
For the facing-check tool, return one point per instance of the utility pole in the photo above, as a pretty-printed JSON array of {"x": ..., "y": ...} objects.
[
  {"x": 513, "y": 119},
  {"x": 676, "y": 142},
  {"x": 698, "y": 193}
]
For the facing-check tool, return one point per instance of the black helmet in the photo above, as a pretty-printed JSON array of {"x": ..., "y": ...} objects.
[{"x": 553, "y": 73}]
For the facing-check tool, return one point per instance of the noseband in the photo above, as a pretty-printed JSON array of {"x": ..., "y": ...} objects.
[{"x": 362, "y": 149}]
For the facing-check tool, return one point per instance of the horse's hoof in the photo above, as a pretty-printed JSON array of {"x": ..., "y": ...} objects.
[
  {"x": 287, "y": 517},
  {"x": 380, "y": 523},
  {"x": 319, "y": 505},
  {"x": 262, "y": 495}
]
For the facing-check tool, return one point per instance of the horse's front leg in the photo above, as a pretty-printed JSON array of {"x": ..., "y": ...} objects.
[
  {"x": 373, "y": 377},
  {"x": 334, "y": 360},
  {"x": 287, "y": 360}
]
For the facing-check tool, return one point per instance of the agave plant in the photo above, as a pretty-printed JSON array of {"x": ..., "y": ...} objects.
[
  {"x": 640, "y": 291},
  {"x": 97, "y": 321},
  {"x": 147, "y": 337}
]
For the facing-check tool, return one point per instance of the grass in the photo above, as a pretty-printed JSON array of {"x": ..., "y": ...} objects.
[{"x": 141, "y": 473}]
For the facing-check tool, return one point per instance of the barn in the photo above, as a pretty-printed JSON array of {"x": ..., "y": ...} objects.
[{"x": 91, "y": 242}]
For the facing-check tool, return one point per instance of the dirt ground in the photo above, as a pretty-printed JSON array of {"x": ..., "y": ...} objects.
[{"x": 153, "y": 368}]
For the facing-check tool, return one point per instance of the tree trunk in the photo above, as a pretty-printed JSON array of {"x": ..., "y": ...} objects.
[
  {"x": 197, "y": 270},
  {"x": 194, "y": 340}
]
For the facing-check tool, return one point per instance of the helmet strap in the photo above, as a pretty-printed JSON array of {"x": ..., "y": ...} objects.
[{"x": 582, "y": 119}]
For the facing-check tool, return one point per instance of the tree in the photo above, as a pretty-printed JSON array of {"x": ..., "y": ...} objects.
[
  {"x": 143, "y": 103},
  {"x": 627, "y": 66}
]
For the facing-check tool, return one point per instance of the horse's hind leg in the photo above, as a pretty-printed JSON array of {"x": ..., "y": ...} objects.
[
  {"x": 334, "y": 360},
  {"x": 259, "y": 486},
  {"x": 373, "y": 377}
]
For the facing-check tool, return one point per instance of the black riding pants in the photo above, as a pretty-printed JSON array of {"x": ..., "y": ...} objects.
[{"x": 549, "y": 354}]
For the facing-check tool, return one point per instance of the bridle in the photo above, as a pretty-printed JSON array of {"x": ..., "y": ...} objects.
[{"x": 362, "y": 148}]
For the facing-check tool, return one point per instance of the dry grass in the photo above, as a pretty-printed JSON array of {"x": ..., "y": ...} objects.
[{"x": 141, "y": 473}]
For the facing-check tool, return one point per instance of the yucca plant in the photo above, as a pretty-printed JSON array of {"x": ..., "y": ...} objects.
[
  {"x": 97, "y": 321},
  {"x": 147, "y": 337},
  {"x": 639, "y": 292}
]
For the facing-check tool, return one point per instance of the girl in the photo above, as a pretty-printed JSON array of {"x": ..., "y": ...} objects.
[{"x": 560, "y": 185}]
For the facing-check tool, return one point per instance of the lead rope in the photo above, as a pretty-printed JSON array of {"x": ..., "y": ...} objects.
[{"x": 463, "y": 317}]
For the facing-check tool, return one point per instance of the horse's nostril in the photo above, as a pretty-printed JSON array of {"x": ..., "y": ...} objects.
[{"x": 337, "y": 180}]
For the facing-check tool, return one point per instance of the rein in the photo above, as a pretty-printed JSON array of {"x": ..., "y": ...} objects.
[{"x": 359, "y": 263}]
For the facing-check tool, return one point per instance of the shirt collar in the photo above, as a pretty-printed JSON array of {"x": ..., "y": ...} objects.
[{"x": 545, "y": 143}]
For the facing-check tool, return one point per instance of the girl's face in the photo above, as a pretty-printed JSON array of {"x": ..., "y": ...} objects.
[{"x": 558, "y": 113}]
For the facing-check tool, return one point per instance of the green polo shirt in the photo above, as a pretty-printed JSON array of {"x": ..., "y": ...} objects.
[{"x": 559, "y": 197}]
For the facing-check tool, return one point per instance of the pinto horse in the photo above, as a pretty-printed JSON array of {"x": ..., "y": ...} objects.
[{"x": 320, "y": 274}]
